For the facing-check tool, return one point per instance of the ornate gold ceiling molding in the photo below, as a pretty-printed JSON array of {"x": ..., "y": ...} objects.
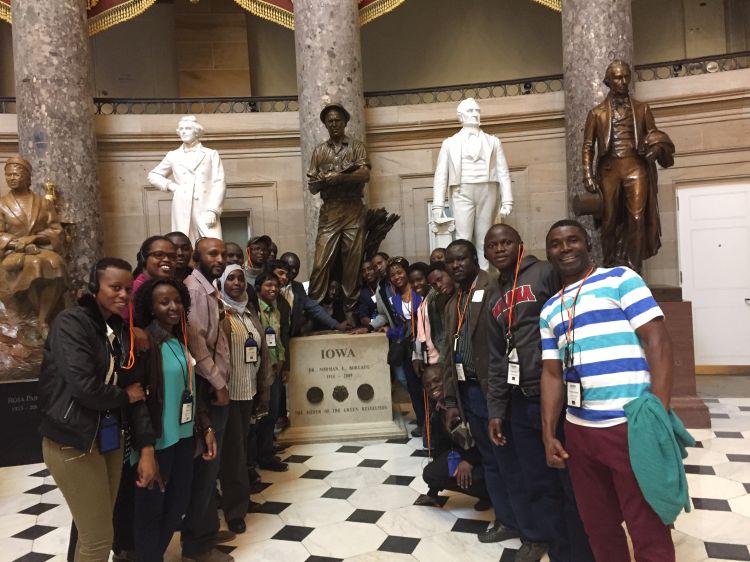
[{"x": 551, "y": 4}]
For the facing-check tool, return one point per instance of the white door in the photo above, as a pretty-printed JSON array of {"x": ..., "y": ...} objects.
[{"x": 714, "y": 253}]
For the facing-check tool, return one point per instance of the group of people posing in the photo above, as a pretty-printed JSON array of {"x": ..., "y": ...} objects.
[{"x": 189, "y": 354}]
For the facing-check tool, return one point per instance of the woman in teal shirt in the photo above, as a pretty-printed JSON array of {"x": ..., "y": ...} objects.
[{"x": 165, "y": 472}]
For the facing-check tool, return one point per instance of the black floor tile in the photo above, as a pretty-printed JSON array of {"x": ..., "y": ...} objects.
[
  {"x": 728, "y": 434},
  {"x": 469, "y": 526},
  {"x": 698, "y": 469},
  {"x": 34, "y": 557},
  {"x": 273, "y": 508},
  {"x": 41, "y": 474},
  {"x": 42, "y": 489},
  {"x": 698, "y": 445},
  {"x": 727, "y": 551},
  {"x": 225, "y": 548},
  {"x": 402, "y": 545},
  {"x": 399, "y": 480},
  {"x": 349, "y": 449},
  {"x": 372, "y": 463},
  {"x": 365, "y": 516},
  {"x": 339, "y": 493},
  {"x": 38, "y": 509},
  {"x": 314, "y": 558},
  {"x": 34, "y": 532},
  {"x": 711, "y": 504},
  {"x": 744, "y": 408},
  {"x": 293, "y": 533},
  {"x": 738, "y": 458},
  {"x": 297, "y": 458},
  {"x": 747, "y": 487},
  {"x": 316, "y": 474},
  {"x": 399, "y": 440},
  {"x": 718, "y": 416},
  {"x": 421, "y": 453}
]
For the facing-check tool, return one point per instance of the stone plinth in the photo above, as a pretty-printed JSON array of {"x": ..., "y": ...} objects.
[
  {"x": 340, "y": 388},
  {"x": 678, "y": 316}
]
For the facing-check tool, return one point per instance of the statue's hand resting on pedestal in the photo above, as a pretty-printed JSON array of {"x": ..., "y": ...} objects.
[
  {"x": 438, "y": 212},
  {"x": 209, "y": 218}
]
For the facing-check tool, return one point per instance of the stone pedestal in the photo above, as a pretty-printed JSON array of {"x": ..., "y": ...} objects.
[
  {"x": 19, "y": 423},
  {"x": 594, "y": 33},
  {"x": 54, "y": 93},
  {"x": 329, "y": 68},
  {"x": 679, "y": 321},
  {"x": 340, "y": 389}
]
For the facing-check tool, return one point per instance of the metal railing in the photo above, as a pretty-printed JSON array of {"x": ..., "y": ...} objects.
[{"x": 454, "y": 93}]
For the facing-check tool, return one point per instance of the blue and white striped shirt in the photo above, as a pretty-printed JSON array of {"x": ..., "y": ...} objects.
[{"x": 607, "y": 354}]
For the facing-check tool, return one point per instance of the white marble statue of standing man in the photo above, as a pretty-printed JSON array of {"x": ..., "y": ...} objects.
[
  {"x": 472, "y": 164},
  {"x": 195, "y": 175}
]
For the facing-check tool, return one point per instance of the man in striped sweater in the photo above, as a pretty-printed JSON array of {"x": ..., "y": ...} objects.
[{"x": 604, "y": 344}]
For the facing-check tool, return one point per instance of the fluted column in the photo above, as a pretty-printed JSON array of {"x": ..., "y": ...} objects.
[
  {"x": 329, "y": 68},
  {"x": 594, "y": 33},
  {"x": 54, "y": 93}
]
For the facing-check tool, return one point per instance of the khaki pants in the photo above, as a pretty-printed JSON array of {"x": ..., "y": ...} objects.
[{"x": 89, "y": 483}]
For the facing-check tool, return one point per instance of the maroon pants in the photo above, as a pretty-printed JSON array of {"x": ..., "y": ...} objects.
[{"x": 607, "y": 493}]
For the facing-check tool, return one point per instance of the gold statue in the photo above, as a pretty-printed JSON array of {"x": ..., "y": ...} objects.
[{"x": 31, "y": 237}]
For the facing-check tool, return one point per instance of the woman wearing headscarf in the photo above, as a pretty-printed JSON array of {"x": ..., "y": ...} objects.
[{"x": 249, "y": 391}]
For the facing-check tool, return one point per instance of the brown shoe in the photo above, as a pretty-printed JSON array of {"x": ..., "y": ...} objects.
[{"x": 223, "y": 536}]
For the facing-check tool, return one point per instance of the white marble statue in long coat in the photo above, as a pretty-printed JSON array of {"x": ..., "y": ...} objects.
[{"x": 195, "y": 175}]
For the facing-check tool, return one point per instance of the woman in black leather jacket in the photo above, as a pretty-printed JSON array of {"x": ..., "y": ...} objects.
[{"x": 85, "y": 384}]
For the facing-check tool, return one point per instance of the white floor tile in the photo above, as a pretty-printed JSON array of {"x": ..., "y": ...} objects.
[
  {"x": 344, "y": 540},
  {"x": 416, "y": 521},
  {"x": 317, "y": 512},
  {"x": 383, "y": 497}
]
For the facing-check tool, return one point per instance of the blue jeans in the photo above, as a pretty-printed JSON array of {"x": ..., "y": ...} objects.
[
  {"x": 158, "y": 514},
  {"x": 542, "y": 497},
  {"x": 201, "y": 521},
  {"x": 405, "y": 375},
  {"x": 475, "y": 409}
]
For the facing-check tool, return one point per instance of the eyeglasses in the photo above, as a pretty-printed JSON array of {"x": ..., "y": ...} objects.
[
  {"x": 399, "y": 261},
  {"x": 161, "y": 255}
]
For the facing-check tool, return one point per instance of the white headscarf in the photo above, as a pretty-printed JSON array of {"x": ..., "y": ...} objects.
[{"x": 239, "y": 305}]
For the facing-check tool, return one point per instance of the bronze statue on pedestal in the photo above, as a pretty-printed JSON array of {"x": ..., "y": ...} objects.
[
  {"x": 621, "y": 146},
  {"x": 338, "y": 171}
]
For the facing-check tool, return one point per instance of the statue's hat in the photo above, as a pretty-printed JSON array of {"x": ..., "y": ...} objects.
[
  {"x": 20, "y": 161},
  {"x": 334, "y": 105}
]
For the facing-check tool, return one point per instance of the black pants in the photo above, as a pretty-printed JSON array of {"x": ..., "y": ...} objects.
[
  {"x": 158, "y": 514},
  {"x": 235, "y": 486},
  {"x": 436, "y": 476},
  {"x": 266, "y": 425}
]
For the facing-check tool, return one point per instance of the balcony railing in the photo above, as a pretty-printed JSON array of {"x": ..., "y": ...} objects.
[{"x": 455, "y": 93}]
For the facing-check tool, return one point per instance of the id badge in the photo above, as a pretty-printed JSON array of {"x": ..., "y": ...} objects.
[
  {"x": 425, "y": 358},
  {"x": 514, "y": 368},
  {"x": 251, "y": 354},
  {"x": 374, "y": 298},
  {"x": 574, "y": 394},
  {"x": 460, "y": 372},
  {"x": 186, "y": 411},
  {"x": 270, "y": 339}
]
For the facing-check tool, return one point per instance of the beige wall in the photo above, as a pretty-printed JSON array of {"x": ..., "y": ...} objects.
[
  {"x": 211, "y": 48},
  {"x": 708, "y": 117},
  {"x": 271, "y": 53},
  {"x": 7, "y": 81}
]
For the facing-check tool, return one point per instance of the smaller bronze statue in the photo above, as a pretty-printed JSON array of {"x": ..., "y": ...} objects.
[
  {"x": 621, "y": 146},
  {"x": 338, "y": 171},
  {"x": 32, "y": 272}
]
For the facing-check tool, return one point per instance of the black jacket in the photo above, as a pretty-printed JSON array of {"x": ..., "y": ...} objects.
[
  {"x": 72, "y": 391},
  {"x": 304, "y": 308},
  {"x": 537, "y": 282}
]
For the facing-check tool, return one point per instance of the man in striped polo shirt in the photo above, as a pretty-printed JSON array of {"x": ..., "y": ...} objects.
[{"x": 604, "y": 344}]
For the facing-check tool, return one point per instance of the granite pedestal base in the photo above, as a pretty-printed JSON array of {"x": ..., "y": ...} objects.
[
  {"x": 679, "y": 321},
  {"x": 19, "y": 423},
  {"x": 340, "y": 388}
]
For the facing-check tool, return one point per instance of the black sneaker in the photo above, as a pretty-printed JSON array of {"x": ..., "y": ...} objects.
[
  {"x": 417, "y": 431},
  {"x": 530, "y": 552},
  {"x": 482, "y": 505},
  {"x": 274, "y": 465},
  {"x": 497, "y": 532},
  {"x": 237, "y": 526}
]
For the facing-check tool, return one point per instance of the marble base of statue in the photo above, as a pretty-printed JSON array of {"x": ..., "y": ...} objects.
[{"x": 340, "y": 389}]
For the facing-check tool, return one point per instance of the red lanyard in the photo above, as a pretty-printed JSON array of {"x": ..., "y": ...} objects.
[
  {"x": 572, "y": 312},
  {"x": 462, "y": 315},
  {"x": 513, "y": 292},
  {"x": 183, "y": 326}
]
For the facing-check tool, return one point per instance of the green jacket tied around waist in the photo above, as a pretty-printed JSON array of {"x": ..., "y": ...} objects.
[{"x": 656, "y": 442}]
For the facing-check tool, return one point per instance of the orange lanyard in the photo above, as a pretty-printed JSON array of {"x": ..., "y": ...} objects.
[
  {"x": 131, "y": 354},
  {"x": 521, "y": 251},
  {"x": 462, "y": 315},
  {"x": 572, "y": 311},
  {"x": 183, "y": 326}
]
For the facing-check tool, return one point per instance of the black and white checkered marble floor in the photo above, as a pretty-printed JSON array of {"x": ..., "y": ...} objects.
[{"x": 355, "y": 501}]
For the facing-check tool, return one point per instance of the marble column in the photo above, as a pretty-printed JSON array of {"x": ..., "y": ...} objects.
[
  {"x": 54, "y": 92},
  {"x": 594, "y": 33},
  {"x": 329, "y": 68}
]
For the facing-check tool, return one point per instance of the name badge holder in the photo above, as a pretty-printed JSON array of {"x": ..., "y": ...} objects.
[
  {"x": 514, "y": 367},
  {"x": 572, "y": 381},
  {"x": 270, "y": 337},
  {"x": 186, "y": 409},
  {"x": 251, "y": 350}
]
